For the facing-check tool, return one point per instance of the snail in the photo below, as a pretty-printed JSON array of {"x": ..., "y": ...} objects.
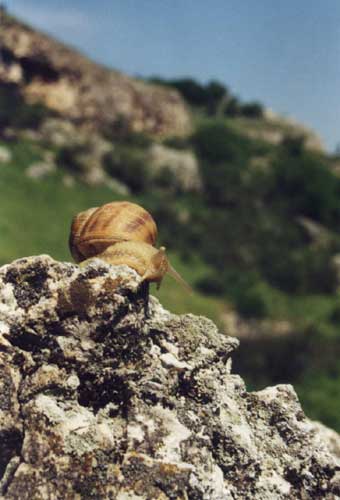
[{"x": 121, "y": 233}]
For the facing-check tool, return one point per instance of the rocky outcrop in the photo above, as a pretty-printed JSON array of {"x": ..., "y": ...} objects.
[
  {"x": 5, "y": 155},
  {"x": 104, "y": 395},
  {"x": 328, "y": 437},
  {"x": 279, "y": 127},
  {"x": 182, "y": 165},
  {"x": 78, "y": 89}
]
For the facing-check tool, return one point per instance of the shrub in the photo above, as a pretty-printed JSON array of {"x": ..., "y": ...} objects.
[
  {"x": 120, "y": 131},
  {"x": 192, "y": 91},
  {"x": 30, "y": 116},
  {"x": 251, "y": 304},
  {"x": 215, "y": 93},
  {"x": 9, "y": 99},
  {"x": 222, "y": 182},
  {"x": 224, "y": 157},
  {"x": 196, "y": 94},
  {"x": 292, "y": 266},
  {"x": 15, "y": 112},
  {"x": 233, "y": 107},
  {"x": 177, "y": 142},
  {"x": 335, "y": 315},
  {"x": 129, "y": 167},
  {"x": 311, "y": 188},
  {"x": 68, "y": 157},
  {"x": 320, "y": 396},
  {"x": 216, "y": 142},
  {"x": 269, "y": 360},
  {"x": 138, "y": 140},
  {"x": 252, "y": 110},
  {"x": 211, "y": 284},
  {"x": 293, "y": 145},
  {"x": 166, "y": 179}
]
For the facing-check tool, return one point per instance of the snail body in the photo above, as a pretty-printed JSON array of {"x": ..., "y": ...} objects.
[
  {"x": 121, "y": 233},
  {"x": 149, "y": 262},
  {"x": 97, "y": 228}
]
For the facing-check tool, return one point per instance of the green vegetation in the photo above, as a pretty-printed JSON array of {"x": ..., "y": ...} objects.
[
  {"x": 128, "y": 165},
  {"x": 213, "y": 98},
  {"x": 243, "y": 240},
  {"x": 207, "y": 97}
]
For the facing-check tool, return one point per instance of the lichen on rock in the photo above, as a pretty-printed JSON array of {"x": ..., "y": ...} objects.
[{"x": 101, "y": 398}]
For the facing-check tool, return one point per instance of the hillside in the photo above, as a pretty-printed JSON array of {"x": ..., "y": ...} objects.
[
  {"x": 47, "y": 71},
  {"x": 250, "y": 222}
]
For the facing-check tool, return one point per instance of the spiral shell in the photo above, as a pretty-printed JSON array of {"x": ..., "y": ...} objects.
[{"x": 95, "y": 229}]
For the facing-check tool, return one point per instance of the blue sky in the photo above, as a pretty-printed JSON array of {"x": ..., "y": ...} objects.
[{"x": 284, "y": 53}]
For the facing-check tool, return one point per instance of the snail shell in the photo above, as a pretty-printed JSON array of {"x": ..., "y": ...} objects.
[
  {"x": 121, "y": 233},
  {"x": 96, "y": 229}
]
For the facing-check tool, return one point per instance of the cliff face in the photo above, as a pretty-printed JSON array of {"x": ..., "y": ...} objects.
[
  {"x": 106, "y": 396},
  {"x": 69, "y": 83}
]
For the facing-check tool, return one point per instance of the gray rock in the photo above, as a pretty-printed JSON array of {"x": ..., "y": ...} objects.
[
  {"x": 58, "y": 132},
  {"x": 328, "y": 436},
  {"x": 335, "y": 265},
  {"x": 182, "y": 164},
  {"x": 101, "y": 400},
  {"x": 40, "y": 169},
  {"x": 117, "y": 186},
  {"x": 68, "y": 181},
  {"x": 5, "y": 155}
]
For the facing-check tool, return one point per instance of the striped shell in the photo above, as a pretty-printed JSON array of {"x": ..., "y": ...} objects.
[{"x": 95, "y": 229}]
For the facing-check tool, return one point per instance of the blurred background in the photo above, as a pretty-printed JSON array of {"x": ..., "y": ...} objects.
[{"x": 223, "y": 121}]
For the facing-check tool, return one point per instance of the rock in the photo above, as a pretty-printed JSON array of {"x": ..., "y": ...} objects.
[
  {"x": 254, "y": 329},
  {"x": 68, "y": 181},
  {"x": 82, "y": 150},
  {"x": 88, "y": 154},
  {"x": 318, "y": 235},
  {"x": 58, "y": 132},
  {"x": 40, "y": 169},
  {"x": 104, "y": 397},
  {"x": 117, "y": 186},
  {"x": 5, "y": 155},
  {"x": 335, "y": 266},
  {"x": 287, "y": 125},
  {"x": 182, "y": 164},
  {"x": 328, "y": 436},
  {"x": 86, "y": 151},
  {"x": 76, "y": 88}
]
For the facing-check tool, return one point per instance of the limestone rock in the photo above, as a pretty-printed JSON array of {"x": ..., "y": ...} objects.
[
  {"x": 328, "y": 436},
  {"x": 288, "y": 125},
  {"x": 58, "y": 132},
  {"x": 5, "y": 155},
  {"x": 104, "y": 397},
  {"x": 182, "y": 164},
  {"x": 40, "y": 169}
]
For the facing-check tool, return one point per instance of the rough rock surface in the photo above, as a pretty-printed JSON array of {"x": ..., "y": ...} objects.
[
  {"x": 102, "y": 398},
  {"x": 78, "y": 89}
]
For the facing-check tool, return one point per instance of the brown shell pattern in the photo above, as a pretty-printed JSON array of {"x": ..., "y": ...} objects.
[{"x": 95, "y": 229}]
